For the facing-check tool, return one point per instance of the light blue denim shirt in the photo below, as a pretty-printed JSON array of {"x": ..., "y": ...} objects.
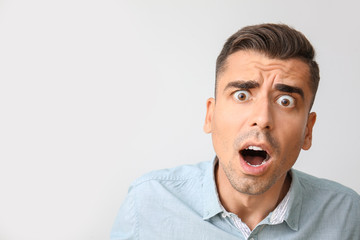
[{"x": 182, "y": 203}]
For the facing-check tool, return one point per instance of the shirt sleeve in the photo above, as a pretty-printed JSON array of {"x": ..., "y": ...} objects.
[
  {"x": 354, "y": 220},
  {"x": 125, "y": 224}
]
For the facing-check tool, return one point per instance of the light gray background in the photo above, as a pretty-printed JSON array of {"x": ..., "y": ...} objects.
[{"x": 95, "y": 93}]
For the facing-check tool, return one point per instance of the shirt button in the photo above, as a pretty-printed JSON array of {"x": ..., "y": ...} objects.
[{"x": 252, "y": 239}]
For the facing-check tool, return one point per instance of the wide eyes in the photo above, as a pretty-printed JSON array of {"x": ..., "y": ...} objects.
[
  {"x": 242, "y": 95},
  {"x": 286, "y": 101}
]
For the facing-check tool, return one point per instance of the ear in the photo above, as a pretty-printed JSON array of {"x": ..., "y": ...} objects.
[
  {"x": 308, "y": 131},
  {"x": 210, "y": 105}
]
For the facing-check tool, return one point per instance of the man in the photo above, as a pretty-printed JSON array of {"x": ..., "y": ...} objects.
[{"x": 260, "y": 119}]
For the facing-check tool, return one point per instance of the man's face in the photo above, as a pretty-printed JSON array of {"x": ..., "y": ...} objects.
[{"x": 260, "y": 120}]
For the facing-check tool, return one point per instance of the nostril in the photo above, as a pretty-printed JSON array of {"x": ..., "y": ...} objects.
[{"x": 267, "y": 126}]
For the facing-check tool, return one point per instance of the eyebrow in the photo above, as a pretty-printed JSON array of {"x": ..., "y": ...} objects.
[
  {"x": 289, "y": 89},
  {"x": 242, "y": 84}
]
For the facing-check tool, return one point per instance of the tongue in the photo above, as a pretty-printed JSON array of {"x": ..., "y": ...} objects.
[{"x": 254, "y": 160}]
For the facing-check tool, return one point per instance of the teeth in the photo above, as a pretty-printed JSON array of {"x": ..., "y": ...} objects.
[
  {"x": 255, "y": 148},
  {"x": 263, "y": 162}
]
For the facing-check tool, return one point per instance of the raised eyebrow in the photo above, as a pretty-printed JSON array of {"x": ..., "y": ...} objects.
[
  {"x": 241, "y": 84},
  {"x": 289, "y": 89}
]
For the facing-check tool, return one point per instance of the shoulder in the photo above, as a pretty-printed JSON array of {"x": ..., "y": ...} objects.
[
  {"x": 184, "y": 176},
  {"x": 174, "y": 188},
  {"x": 312, "y": 183},
  {"x": 328, "y": 205},
  {"x": 328, "y": 197},
  {"x": 179, "y": 173},
  {"x": 325, "y": 207}
]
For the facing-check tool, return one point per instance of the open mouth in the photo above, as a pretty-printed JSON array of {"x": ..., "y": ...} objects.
[{"x": 254, "y": 156}]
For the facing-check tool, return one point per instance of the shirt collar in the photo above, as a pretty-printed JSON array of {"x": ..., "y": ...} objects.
[
  {"x": 212, "y": 205},
  {"x": 292, "y": 216},
  {"x": 211, "y": 202},
  {"x": 278, "y": 215}
]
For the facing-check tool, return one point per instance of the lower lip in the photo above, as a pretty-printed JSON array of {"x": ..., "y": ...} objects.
[{"x": 256, "y": 171}]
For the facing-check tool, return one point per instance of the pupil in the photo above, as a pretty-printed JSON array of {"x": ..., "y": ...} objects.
[
  {"x": 241, "y": 96},
  {"x": 285, "y": 102}
]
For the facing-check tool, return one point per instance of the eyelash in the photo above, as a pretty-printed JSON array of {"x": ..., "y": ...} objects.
[
  {"x": 292, "y": 102},
  {"x": 234, "y": 94},
  {"x": 278, "y": 99}
]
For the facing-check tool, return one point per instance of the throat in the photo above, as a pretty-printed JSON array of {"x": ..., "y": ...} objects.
[{"x": 251, "y": 209}]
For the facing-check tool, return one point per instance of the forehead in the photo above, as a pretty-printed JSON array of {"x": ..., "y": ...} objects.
[{"x": 252, "y": 65}]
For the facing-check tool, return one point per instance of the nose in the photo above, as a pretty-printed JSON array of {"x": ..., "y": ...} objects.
[{"x": 262, "y": 115}]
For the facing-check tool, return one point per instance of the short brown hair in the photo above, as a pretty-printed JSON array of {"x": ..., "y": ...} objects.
[{"x": 277, "y": 41}]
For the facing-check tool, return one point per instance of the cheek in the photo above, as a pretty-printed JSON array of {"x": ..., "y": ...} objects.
[
  {"x": 292, "y": 137},
  {"x": 226, "y": 127},
  {"x": 229, "y": 117},
  {"x": 291, "y": 125}
]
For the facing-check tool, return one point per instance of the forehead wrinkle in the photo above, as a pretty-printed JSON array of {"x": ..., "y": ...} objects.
[
  {"x": 276, "y": 67},
  {"x": 256, "y": 66},
  {"x": 282, "y": 71}
]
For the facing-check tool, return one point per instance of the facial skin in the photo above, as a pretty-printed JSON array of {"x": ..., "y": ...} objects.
[{"x": 265, "y": 103}]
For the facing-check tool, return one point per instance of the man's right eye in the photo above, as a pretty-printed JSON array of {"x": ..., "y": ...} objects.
[{"x": 242, "y": 95}]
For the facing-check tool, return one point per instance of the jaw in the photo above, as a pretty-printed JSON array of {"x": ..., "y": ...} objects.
[
  {"x": 245, "y": 180},
  {"x": 240, "y": 193}
]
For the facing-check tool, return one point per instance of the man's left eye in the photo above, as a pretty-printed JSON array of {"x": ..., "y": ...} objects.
[{"x": 286, "y": 101}]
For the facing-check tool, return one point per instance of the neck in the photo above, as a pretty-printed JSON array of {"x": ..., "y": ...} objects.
[{"x": 251, "y": 209}]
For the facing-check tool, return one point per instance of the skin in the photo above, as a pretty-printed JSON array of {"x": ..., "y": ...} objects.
[{"x": 253, "y": 108}]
